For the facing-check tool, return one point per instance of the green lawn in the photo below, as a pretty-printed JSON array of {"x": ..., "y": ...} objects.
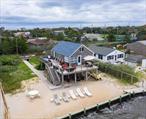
[
  {"x": 34, "y": 60},
  {"x": 11, "y": 77}
]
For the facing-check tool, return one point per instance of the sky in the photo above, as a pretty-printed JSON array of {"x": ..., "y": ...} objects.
[{"x": 75, "y": 13}]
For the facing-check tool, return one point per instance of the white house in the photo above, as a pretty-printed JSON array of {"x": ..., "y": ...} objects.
[
  {"x": 106, "y": 54},
  {"x": 91, "y": 37}
]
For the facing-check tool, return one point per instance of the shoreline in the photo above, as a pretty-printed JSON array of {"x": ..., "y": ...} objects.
[
  {"x": 42, "y": 107},
  {"x": 105, "y": 104}
]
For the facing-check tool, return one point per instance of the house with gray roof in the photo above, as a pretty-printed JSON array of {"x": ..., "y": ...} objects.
[
  {"x": 70, "y": 52},
  {"x": 134, "y": 60},
  {"x": 138, "y": 47},
  {"x": 106, "y": 54}
]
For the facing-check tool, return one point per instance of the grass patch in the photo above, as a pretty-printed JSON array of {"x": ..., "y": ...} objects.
[
  {"x": 124, "y": 73},
  {"x": 11, "y": 78},
  {"x": 34, "y": 60}
]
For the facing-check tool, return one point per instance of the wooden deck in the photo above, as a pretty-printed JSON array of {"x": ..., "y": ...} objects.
[{"x": 78, "y": 69}]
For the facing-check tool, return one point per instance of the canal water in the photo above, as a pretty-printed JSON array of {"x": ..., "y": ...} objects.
[{"x": 132, "y": 109}]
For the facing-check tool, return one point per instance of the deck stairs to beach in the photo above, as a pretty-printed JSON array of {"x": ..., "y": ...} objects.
[{"x": 53, "y": 75}]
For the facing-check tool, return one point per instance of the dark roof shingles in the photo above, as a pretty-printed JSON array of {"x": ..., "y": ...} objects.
[
  {"x": 66, "y": 48},
  {"x": 101, "y": 50}
]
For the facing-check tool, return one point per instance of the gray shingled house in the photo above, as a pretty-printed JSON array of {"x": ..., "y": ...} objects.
[
  {"x": 138, "y": 47},
  {"x": 71, "y": 52}
]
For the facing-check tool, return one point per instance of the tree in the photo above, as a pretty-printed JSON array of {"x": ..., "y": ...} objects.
[
  {"x": 111, "y": 38},
  {"x": 60, "y": 36},
  {"x": 6, "y": 46},
  {"x": 21, "y": 45},
  {"x": 127, "y": 39}
]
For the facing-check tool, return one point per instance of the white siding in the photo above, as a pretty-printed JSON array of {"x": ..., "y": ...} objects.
[{"x": 115, "y": 57}]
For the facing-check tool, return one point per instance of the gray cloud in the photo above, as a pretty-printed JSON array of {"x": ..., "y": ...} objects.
[{"x": 73, "y": 11}]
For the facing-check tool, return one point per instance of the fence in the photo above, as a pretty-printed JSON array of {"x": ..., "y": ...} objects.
[
  {"x": 125, "y": 76},
  {"x": 4, "y": 112}
]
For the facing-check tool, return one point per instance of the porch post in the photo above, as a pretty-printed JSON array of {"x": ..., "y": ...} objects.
[
  {"x": 62, "y": 79},
  {"x": 86, "y": 75},
  {"x": 75, "y": 77}
]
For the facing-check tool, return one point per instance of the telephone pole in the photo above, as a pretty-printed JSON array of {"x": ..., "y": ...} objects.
[{"x": 17, "y": 46}]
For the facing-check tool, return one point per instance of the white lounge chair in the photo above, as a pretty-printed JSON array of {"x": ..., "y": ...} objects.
[
  {"x": 64, "y": 97},
  {"x": 87, "y": 92},
  {"x": 56, "y": 99},
  {"x": 80, "y": 92},
  {"x": 73, "y": 96}
]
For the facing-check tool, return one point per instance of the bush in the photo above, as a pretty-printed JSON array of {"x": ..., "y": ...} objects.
[
  {"x": 41, "y": 66},
  {"x": 119, "y": 71},
  {"x": 9, "y": 60},
  {"x": 12, "y": 72}
]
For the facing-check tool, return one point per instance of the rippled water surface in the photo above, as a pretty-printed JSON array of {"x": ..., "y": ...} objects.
[{"x": 133, "y": 109}]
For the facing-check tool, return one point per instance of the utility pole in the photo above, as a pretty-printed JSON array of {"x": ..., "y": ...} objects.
[
  {"x": 117, "y": 30},
  {"x": 16, "y": 46}
]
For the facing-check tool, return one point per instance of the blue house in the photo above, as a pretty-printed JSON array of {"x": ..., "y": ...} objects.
[{"x": 70, "y": 52}]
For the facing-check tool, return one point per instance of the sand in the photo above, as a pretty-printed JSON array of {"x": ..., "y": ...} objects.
[{"x": 21, "y": 107}]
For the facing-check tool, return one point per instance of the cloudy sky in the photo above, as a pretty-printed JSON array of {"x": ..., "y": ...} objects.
[{"x": 55, "y": 13}]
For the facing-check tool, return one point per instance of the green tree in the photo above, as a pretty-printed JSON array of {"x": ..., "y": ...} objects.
[
  {"x": 21, "y": 45},
  {"x": 111, "y": 38},
  {"x": 6, "y": 46},
  {"x": 127, "y": 39},
  {"x": 60, "y": 36}
]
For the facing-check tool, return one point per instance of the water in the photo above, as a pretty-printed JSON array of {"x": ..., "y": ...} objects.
[{"x": 133, "y": 109}]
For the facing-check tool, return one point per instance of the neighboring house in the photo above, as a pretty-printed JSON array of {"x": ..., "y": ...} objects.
[
  {"x": 134, "y": 60},
  {"x": 38, "y": 44},
  {"x": 91, "y": 37},
  {"x": 138, "y": 47},
  {"x": 70, "y": 52},
  {"x": 42, "y": 38},
  {"x": 57, "y": 32},
  {"x": 133, "y": 37},
  {"x": 24, "y": 34},
  {"x": 106, "y": 54},
  {"x": 120, "y": 37}
]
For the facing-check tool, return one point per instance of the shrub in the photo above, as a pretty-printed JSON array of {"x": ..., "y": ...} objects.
[
  {"x": 40, "y": 66},
  {"x": 119, "y": 71},
  {"x": 9, "y": 60}
]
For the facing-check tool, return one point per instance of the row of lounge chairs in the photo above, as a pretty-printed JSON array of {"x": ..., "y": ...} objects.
[{"x": 72, "y": 94}]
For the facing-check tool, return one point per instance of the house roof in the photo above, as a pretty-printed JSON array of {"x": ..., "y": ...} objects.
[
  {"x": 120, "y": 37},
  {"x": 143, "y": 42},
  {"x": 66, "y": 48},
  {"x": 92, "y": 36},
  {"x": 39, "y": 42},
  {"x": 101, "y": 50},
  {"x": 134, "y": 58}
]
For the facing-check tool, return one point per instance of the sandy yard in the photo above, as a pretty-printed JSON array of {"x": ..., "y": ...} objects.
[{"x": 21, "y": 107}]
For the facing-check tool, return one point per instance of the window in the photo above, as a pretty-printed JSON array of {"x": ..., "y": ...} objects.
[
  {"x": 82, "y": 49},
  {"x": 110, "y": 57},
  {"x": 120, "y": 55},
  {"x": 100, "y": 56}
]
